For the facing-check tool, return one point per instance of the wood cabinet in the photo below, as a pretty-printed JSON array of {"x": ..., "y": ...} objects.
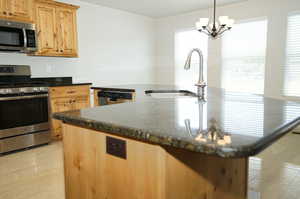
[
  {"x": 17, "y": 10},
  {"x": 67, "y": 33},
  {"x": 57, "y": 29},
  {"x": 46, "y": 28},
  {"x": 3, "y": 9},
  {"x": 66, "y": 99}
]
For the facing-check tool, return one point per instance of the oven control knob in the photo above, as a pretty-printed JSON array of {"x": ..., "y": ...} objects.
[
  {"x": 36, "y": 89},
  {"x": 22, "y": 90},
  {"x": 5, "y": 91},
  {"x": 43, "y": 89}
]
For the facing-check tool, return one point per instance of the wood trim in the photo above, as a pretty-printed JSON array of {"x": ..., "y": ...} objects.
[
  {"x": 150, "y": 171},
  {"x": 52, "y": 2}
]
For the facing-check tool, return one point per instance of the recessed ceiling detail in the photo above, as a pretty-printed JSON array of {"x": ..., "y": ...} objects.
[{"x": 160, "y": 8}]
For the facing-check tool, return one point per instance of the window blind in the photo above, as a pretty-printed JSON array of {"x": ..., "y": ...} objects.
[
  {"x": 292, "y": 64},
  {"x": 291, "y": 111},
  {"x": 184, "y": 42},
  {"x": 243, "y": 57}
]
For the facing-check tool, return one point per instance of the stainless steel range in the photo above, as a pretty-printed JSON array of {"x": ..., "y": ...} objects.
[{"x": 24, "y": 119}]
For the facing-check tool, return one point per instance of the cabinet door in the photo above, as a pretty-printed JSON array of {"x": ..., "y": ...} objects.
[
  {"x": 20, "y": 10},
  {"x": 3, "y": 9},
  {"x": 81, "y": 102},
  {"x": 59, "y": 105},
  {"x": 67, "y": 31},
  {"x": 46, "y": 29}
]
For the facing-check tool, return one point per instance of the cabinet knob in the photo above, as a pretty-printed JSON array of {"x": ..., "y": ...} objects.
[
  {"x": 10, "y": 14},
  {"x": 61, "y": 51},
  {"x": 4, "y": 12}
]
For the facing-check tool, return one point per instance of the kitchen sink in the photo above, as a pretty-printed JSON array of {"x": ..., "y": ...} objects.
[{"x": 170, "y": 93}]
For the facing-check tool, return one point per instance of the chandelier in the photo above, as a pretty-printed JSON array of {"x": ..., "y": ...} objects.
[{"x": 213, "y": 28}]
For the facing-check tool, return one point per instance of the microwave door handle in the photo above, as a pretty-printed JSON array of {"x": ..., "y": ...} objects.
[{"x": 25, "y": 38}]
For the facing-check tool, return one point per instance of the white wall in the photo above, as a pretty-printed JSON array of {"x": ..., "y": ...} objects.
[
  {"x": 115, "y": 47},
  {"x": 275, "y": 10}
]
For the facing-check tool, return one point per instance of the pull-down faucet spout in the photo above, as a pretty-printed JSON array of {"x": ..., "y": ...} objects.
[{"x": 201, "y": 83}]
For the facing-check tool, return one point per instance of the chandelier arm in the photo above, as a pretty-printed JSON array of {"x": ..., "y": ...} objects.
[
  {"x": 208, "y": 30},
  {"x": 220, "y": 29},
  {"x": 224, "y": 30},
  {"x": 221, "y": 33}
]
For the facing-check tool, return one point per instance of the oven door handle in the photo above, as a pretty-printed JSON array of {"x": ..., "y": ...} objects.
[
  {"x": 25, "y": 38},
  {"x": 23, "y": 97}
]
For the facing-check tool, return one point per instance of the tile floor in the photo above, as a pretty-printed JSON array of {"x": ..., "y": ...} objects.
[{"x": 38, "y": 173}]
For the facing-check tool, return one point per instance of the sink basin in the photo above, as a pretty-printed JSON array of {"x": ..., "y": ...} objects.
[{"x": 170, "y": 93}]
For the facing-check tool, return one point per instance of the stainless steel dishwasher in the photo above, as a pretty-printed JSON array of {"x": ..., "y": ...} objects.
[{"x": 114, "y": 97}]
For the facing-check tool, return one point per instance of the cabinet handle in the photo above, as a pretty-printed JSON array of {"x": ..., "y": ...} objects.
[{"x": 71, "y": 92}]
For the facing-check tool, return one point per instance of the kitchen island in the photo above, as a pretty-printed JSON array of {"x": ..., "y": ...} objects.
[{"x": 163, "y": 148}]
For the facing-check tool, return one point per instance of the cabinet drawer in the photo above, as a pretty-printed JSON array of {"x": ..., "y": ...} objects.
[{"x": 69, "y": 91}]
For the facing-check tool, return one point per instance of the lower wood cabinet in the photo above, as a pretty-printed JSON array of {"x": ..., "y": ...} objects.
[{"x": 66, "y": 99}]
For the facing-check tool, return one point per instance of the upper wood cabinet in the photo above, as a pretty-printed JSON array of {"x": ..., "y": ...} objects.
[
  {"x": 17, "y": 10},
  {"x": 3, "y": 9},
  {"x": 57, "y": 29},
  {"x": 67, "y": 32},
  {"x": 46, "y": 29}
]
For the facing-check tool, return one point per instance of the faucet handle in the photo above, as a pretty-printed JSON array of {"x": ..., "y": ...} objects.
[{"x": 201, "y": 84}]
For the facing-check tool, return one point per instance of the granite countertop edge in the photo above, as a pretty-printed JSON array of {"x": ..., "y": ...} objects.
[{"x": 146, "y": 136}]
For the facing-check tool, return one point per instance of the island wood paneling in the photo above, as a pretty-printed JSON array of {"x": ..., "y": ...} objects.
[{"x": 149, "y": 172}]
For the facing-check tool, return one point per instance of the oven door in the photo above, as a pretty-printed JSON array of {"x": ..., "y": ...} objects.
[
  {"x": 23, "y": 114},
  {"x": 12, "y": 39}
]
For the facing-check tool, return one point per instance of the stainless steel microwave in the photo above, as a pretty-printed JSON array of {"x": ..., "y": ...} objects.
[{"x": 17, "y": 37}]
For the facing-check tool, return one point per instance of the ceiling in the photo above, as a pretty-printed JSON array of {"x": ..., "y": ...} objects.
[{"x": 160, "y": 8}]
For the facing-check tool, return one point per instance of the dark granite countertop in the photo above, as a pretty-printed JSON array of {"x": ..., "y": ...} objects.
[
  {"x": 252, "y": 122},
  {"x": 41, "y": 81},
  {"x": 67, "y": 84}
]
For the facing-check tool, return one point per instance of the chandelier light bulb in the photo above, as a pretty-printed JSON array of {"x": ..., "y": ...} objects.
[
  {"x": 203, "y": 22},
  {"x": 223, "y": 20},
  {"x": 230, "y": 23},
  {"x": 198, "y": 25}
]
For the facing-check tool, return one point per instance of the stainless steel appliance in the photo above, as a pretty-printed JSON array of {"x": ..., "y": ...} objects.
[
  {"x": 113, "y": 97},
  {"x": 17, "y": 37},
  {"x": 24, "y": 120}
]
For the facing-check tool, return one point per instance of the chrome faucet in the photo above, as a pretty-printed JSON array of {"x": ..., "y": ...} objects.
[{"x": 201, "y": 83}]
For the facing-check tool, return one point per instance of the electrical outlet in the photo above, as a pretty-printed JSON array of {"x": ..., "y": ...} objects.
[{"x": 116, "y": 147}]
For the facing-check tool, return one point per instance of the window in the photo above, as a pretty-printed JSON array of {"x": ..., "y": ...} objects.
[
  {"x": 243, "y": 57},
  {"x": 291, "y": 111},
  {"x": 184, "y": 42},
  {"x": 292, "y": 65}
]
